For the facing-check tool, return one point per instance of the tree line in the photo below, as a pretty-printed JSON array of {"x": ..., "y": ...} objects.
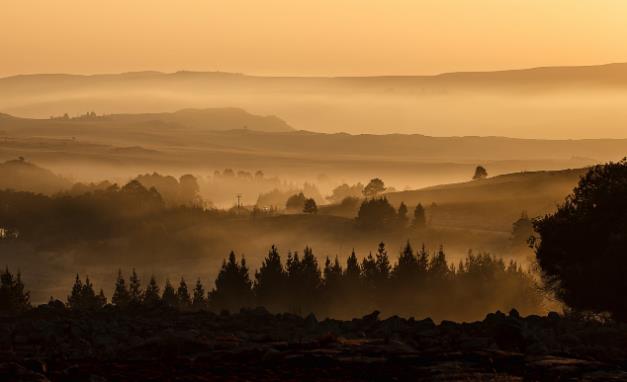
[{"x": 418, "y": 283}]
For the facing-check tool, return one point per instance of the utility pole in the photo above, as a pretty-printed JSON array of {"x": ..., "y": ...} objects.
[{"x": 239, "y": 197}]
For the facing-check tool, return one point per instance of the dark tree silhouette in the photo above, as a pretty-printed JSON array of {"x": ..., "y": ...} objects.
[
  {"x": 522, "y": 230},
  {"x": 139, "y": 199},
  {"x": 439, "y": 270},
  {"x": 332, "y": 274},
  {"x": 271, "y": 281},
  {"x": 90, "y": 300},
  {"x": 352, "y": 271},
  {"x": 582, "y": 246},
  {"x": 408, "y": 279},
  {"x": 344, "y": 191},
  {"x": 169, "y": 297},
  {"x": 376, "y": 214},
  {"x": 382, "y": 275},
  {"x": 402, "y": 215},
  {"x": 420, "y": 220},
  {"x": 414, "y": 285},
  {"x": 199, "y": 301},
  {"x": 151, "y": 294},
  {"x": 233, "y": 287},
  {"x": 423, "y": 259},
  {"x": 296, "y": 202},
  {"x": 407, "y": 268},
  {"x": 351, "y": 288},
  {"x": 374, "y": 188},
  {"x": 134, "y": 289},
  {"x": 74, "y": 300},
  {"x": 333, "y": 293},
  {"x": 480, "y": 173},
  {"x": 369, "y": 272},
  {"x": 121, "y": 296},
  {"x": 310, "y": 206},
  {"x": 304, "y": 281},
  {"x": 83, "y": 297},
  {"x": 183, "y": 297},
  {"x": 182, "y": 192},
  {"x": 382, "y": 262},
  {"x": 101, "y": 299}
]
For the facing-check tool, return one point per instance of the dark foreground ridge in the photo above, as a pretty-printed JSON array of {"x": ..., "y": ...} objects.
[{"x": 51, "y": 343}]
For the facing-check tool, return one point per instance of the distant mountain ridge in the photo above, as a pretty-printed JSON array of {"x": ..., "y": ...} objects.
[
  {"x": 236, "y": 131},
  {"x": 210, "y": 119},
  {"x": 549, "y": 102},
  {"x": 614, "y": 74}
]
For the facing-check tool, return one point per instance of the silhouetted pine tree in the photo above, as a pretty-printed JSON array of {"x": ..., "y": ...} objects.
[
  {"x": 407, "y": 268},
  {"x": 382, "y": 277},
  {"x": 169, "y": 295},
  {"x": 304, "y": 282},
  {"x": 332, "y": 290},
  {"x": 151, "y": 295},
  {"x": 332, "y": 274},
  {"x": 199, "y": 301},
  {"x": 270, "y": 282},
  {"x": 423, "y": 260},
  {"x": 352, "y": 271},
  {"x": 351, "y": 279},
  {"x": 438, "y": 267},
  {"x": 233, "y": 288},
  {"x": 382, "y": 265},
  {"x": 121, "y": 296},
  {"x": 21, "y": 299},
  {"x": 420, "y": 220},
  {"x": 182, "y": 295},
  {"x": 134, "y": 289},
  {"x": 351, "y": 291},
  {"x": 90, "y": 300},
  {"x": 408, "y": 277},
  {"x": 74, "y": 300},
  {"x": 369, "y": 272},
  {"x": 101, "y": 298},
  {"x": 402, "y": 215},
  {"x": 83, "y": 297}
]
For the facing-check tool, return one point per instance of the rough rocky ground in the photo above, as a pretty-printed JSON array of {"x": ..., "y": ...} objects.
[{"x": 50, "y": 343}]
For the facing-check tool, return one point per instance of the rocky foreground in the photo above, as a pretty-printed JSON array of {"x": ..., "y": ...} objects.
[{"x": 50, "y": 343}]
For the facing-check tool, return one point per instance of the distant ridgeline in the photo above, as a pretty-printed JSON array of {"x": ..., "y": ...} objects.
[
  {"x": 417, "y": 284},
  {"x": 22, "y": 175}
]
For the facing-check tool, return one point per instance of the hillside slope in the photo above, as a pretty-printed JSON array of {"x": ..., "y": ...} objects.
[
  {"x": 493, "y": 203},
  {"x": 553, "y": 102}
]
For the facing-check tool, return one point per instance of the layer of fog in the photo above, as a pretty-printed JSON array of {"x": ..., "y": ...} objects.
[{"x": 555, "y": 115}]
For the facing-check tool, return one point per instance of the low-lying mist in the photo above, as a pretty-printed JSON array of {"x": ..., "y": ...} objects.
[
  {"x": 562, "y": 104},
  {"x": 167, "y": 226}
]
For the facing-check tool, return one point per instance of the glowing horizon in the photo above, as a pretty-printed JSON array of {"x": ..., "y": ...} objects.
[{"x": 322, "y": 38}]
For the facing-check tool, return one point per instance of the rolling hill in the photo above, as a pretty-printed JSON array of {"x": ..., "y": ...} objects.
[
  {"x": 552, "y": 102},
  {"x": 492, "y": 203},
  {"x": 202, "y": 141}
]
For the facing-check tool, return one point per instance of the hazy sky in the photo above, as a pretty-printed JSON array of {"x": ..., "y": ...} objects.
[{"x": 318, "y": 37}]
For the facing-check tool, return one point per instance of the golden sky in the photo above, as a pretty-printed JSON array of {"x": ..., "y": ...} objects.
[{"x": 303, "y": 37}]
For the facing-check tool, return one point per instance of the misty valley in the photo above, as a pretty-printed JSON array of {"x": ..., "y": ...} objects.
[{"x": 213, "y": 242}]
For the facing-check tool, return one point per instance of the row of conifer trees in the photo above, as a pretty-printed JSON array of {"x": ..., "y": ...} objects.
[{"x": 417, "y": 284}]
